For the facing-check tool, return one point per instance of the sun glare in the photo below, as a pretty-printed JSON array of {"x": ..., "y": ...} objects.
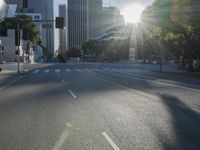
[{"x": 133, "y": 13}]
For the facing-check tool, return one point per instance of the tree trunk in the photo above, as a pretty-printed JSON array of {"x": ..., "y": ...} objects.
[{"x": 190, "y": 64}]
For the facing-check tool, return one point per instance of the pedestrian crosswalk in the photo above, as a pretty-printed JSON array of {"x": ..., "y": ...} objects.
[
  {"x": 75, "y": 70},
  {"x": 78, "y": 70},
  {"x": 57, "y": 70},
  {"x": 68, "y": 70},
  {"x": 46, "y": 71}
]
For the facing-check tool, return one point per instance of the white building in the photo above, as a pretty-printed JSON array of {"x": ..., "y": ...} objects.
[
  {"x": 3, "y": 9},
  {"x": 8, "y": 42}
]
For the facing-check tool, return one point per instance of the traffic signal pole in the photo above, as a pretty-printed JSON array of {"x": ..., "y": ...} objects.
[{"x": 18, "y": 41}]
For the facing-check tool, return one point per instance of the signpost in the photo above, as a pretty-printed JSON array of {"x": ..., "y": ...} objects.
[
  {"x": 1, "y": 50},
  {"x": 132, "y": 54}
]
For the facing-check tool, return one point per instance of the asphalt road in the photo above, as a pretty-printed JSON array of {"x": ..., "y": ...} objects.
[{"x": 98, "y": 107}]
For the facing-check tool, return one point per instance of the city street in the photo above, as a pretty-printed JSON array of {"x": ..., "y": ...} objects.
[{"x": 94, "y": 106}]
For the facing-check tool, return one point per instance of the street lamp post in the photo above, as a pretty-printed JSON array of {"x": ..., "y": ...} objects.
[
  {"x": 133, "y": 44},
  {"x": 18, "y": 39},
  {"x": 1, "y": 50}
]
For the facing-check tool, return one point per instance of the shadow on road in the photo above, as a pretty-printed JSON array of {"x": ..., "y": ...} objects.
[{"x": 185, "y": 124}]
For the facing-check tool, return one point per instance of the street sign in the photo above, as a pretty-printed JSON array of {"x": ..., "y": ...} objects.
[{"x": 132, "y": 54}]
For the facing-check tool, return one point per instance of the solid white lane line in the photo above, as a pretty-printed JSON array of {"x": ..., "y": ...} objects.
[
  {"x": 57, "y": 70},
  {"x": 78, "y": 70},
  {"x": 73, "y": 95},
  {"x": 36, "y": 71},
  {"x": 46, "y": 70},
  {"x": 68, "y": 70},
  {"x": 110, "y": 141}
]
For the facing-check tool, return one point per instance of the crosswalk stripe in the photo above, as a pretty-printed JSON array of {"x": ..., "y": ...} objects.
[
  {"x": 68, "y": 70},
  {"x": 78, "y": 70},
  {"x": 57, "y": 70},
  {"x": 36, "y": 71},
  {"x": 46, "y": 70},
  {"x": 87, "y": 69},
  {"x": 97, "y": 70},
  {"x": 106, "y": 69},
  {"x": 26, "y": 70}
]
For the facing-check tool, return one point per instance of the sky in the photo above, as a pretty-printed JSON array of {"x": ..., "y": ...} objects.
[{"x": 122, "y": 4}]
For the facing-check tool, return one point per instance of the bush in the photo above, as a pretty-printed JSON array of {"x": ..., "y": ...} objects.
[
  {"x": 75, "y": 52},
  {"x": 63, "y": 57}
]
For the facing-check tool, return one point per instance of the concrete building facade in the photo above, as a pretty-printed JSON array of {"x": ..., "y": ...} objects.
[{"x": 88, "y": 19}]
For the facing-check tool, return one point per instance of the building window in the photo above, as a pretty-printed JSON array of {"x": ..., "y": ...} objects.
[{"x": 37, "y": 17}]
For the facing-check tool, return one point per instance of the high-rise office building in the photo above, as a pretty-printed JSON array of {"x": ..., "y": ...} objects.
[
  {"x": 95, "y": 11},
  {"x": 78, "y": 22},
  {"x": 111, "y": 18},
  {"x": 63, "y": 32},
  {"x": 84, "y": 20}
]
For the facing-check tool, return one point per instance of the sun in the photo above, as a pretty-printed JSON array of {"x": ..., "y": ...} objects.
[{"x": 132, "y": 14}]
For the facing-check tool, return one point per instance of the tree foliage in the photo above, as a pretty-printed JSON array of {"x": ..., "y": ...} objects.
[
  {"x": 169, "y": 24},
  {"x": 30, "y": 31},
  {"x": 75, "y": 52}
]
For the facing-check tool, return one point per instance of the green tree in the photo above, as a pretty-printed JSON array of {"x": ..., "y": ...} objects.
[
  {"x": 63, "y": 57},
  {"x": 90, "y": 47},
  {"x": 75, "y": 51},
  {"x": 171, "y": 28},
  {"x": 30, "y": 31}
]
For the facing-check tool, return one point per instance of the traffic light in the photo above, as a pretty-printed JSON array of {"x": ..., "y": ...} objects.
[
  {"x": 59, "y": 22},
  {"x": 25, "y": 4},
  {"x": 17, "y": 38}
]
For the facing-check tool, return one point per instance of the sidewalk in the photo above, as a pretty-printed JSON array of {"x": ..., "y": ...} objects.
[{"x": 167, "y": 68}]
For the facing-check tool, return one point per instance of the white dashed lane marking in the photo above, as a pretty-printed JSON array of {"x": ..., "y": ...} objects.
[
  {"x": 110, "y": 141},
  {"x": 73, "y": 95},
  {"x": 87, "y": 69}
]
